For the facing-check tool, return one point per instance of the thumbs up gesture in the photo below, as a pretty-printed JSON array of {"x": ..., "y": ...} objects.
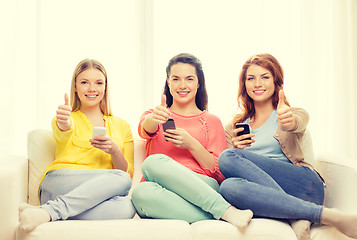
[
  {"x": 286, "y": 116},
  {"x": 159, "y": 116},
  {"x": 63, "y": 114}
]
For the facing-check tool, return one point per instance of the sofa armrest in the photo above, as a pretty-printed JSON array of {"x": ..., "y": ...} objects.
[
  {"x": 13, "y": 186},
  {"x": 340, "y": 174}
]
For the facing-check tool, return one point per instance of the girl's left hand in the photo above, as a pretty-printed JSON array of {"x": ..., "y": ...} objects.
[
  {"x": 286, "y": 116},
  {"x": 179, "y": 138},
  {"x": 106, "y": 144}
]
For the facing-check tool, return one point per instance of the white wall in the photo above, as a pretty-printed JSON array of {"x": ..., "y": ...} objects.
[{"x": 315, "y": 41}]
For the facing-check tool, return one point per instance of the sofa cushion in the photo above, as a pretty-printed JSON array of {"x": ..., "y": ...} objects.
[
  {"x": 110, "y": 230},
  {"x": 321, "y": 232},
  {"x": 258, "y": 229}
]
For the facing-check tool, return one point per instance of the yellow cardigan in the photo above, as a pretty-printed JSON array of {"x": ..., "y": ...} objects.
[{"x": 75, "y": 151}]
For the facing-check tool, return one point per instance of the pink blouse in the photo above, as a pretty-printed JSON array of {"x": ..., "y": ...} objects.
[{"x": 205, "y": 127}]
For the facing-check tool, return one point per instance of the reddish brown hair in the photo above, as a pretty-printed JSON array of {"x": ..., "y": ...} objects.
[{"x": 245, "y": 103}]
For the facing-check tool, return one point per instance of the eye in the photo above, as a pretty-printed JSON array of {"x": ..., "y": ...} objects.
[
  {"x": 250, "y": 79},
  {"x": 175, "y": 79},
  {"x": 100, "y": 83},
  {"x": 83, "y": 82},
  {"x": 190, "y": 79}
]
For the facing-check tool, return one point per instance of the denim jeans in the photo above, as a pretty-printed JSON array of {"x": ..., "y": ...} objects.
[
  {"x": 86, "y": 194},
  {"x": 172, "y": 191},
  {"x": 271, "y": 188}
]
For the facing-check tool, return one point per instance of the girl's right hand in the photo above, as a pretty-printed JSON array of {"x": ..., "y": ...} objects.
[
  {"x": 161, "y": 114},
  {"x": 63, "y": 114},
  {"x": 242, "y": 142}
]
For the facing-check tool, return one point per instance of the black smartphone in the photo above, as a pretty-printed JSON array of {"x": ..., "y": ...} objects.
[
  {"x": 170, "y": 124},
  {"x": 245, "y": 131}
]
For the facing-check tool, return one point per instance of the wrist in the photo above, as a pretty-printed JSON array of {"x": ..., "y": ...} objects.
[
  {"x": 193, "y": 145},
  {"x": 64, "y": 126},
  {"x": 116, "y": 152},
  {"x": 149, "y": 124}
]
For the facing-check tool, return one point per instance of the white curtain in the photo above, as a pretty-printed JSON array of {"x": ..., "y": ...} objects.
[{"x": 43, "y": 40}]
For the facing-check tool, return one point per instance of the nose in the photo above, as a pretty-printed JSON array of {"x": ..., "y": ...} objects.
[
  {"x": 258, "y": 82},
  {"x": 183, "y": 83},
  {"x": 91, "y": 87}
]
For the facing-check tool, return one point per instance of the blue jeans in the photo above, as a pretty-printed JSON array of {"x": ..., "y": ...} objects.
[
  {"x": 86, "y": 194},
  {"x": 271, "y": 188}
]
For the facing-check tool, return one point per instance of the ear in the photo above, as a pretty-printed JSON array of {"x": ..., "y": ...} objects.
[{"x": 168, "y": 82}]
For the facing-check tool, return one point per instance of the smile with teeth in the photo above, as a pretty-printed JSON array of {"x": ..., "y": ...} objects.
[
  {"x": 259, "y": 92},
  {"x": 182, "y": 94},
  {"x": 91, "y": 96}
]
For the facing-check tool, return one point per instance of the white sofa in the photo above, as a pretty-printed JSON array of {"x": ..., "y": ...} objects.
[{"x": 19, "y": 181}]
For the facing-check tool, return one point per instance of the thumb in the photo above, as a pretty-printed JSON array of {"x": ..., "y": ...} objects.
[
  {"x": 66, "y": 100},
  {"x": 163, "y": 100},
  {"x": 281, "y": 99}
]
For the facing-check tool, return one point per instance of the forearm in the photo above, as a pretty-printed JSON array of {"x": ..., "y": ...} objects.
[
  {"x": 119, "y": 161},
  {"x": 202, "y": 156},
  {"x": 302, "y": 119},
  {"x": 149, "y": 125}
]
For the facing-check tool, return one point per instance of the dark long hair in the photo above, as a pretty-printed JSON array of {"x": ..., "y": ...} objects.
[{"x": 201, "y": 95}]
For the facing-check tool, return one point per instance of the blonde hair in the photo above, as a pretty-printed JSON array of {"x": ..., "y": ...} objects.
[{"x": 81, "y": 67}]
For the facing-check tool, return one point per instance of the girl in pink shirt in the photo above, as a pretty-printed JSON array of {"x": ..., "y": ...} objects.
[{"x": 181, "y": 171}]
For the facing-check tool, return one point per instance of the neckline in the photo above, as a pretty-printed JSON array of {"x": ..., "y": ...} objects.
[
  {"x": 184, "y": 116},
  {"x": 88, "y": 122},
  {"x": 270, "y": 116}
]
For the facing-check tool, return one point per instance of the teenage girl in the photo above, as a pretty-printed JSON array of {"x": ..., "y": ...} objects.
[{"x": 90, "y": 177}]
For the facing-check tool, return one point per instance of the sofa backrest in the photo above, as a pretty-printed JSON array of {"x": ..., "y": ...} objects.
[{"x": 41, "y": 148}]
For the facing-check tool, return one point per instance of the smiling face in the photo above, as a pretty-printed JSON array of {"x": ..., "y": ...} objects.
[
  {"x": 259, "y": 84},
  {"x": 183, "y": 84},
  {"x": 90, "y": 88}
]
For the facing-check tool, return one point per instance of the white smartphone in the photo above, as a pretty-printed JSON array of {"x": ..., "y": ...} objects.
[{"x": 99, "y": 131}]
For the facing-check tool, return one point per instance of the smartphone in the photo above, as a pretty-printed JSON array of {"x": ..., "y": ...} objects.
[
  {"x": 99, "y": 131},
  {"x": 245, "y": 131},
  {"x": 169, "y": 124}
]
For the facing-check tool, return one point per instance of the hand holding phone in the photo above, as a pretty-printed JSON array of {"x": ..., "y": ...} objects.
[
  {"x": 245, "y": 131},
  {"x": 169, "y": 124},
  {"x": 99, "y": 131}
]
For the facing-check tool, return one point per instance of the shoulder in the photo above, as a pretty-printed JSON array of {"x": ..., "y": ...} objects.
[
  {"x": 209, "y": 117},
  {"x": 212, "y": 122}
]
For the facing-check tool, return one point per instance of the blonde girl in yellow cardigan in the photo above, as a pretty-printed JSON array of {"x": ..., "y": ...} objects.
[{"x": 90, "y": 177}]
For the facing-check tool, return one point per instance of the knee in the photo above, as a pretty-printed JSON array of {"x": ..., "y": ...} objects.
[
  {"x": 127, "y": 209},
  {"x": 141, "y": 197},
  {"x": 154, "y": 164},
  {"x": 233, "y": 189},
  {"x": 225, "y": 156},
  {"x": 121, "y": 178},
  {"x": 141, "y": 193},
  {"x": 226, "y": 159}
]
